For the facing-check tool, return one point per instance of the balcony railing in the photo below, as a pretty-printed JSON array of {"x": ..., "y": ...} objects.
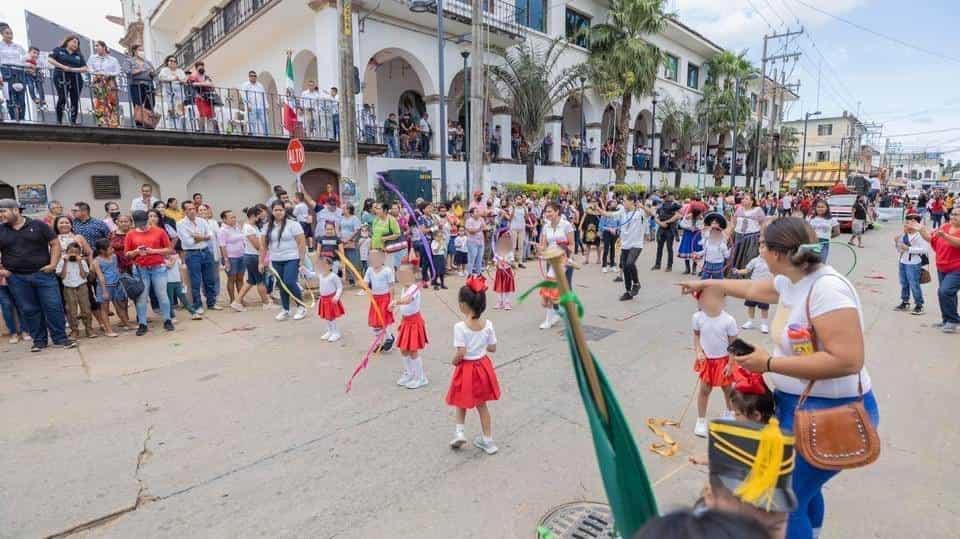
[
  {"x": 45, "y": 97},
  {"x": 232, "y": 15},
  {"x": 499, "y": 15}
]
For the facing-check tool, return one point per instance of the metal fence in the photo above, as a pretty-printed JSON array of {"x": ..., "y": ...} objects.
[
  {"x": 44, "y": 96},
  {"x": 224, "y": 21}
]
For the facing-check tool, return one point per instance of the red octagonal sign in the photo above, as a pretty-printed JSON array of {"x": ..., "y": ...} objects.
[{"x": 295, "y": 156}]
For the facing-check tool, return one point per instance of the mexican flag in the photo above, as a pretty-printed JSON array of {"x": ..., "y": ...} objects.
[{"x": 289, "y": 112}]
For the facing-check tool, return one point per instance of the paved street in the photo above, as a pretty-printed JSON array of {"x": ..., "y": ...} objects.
[{"x": 238, "y": 426}]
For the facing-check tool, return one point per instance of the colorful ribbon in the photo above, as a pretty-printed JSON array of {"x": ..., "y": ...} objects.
[
  {"x": 374, "y": 350},
  {"x": 362, "y": 283},
  {"x": 304, "y": 289},
  {"x": 423, "y": 239}
]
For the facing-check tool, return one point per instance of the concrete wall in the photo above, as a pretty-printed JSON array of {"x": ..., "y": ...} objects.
[{"x": 229, "y": 179}]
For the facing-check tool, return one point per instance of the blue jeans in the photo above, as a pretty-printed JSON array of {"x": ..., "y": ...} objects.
[
  {"x": 38, "y": 295},
  {"x": 824, "y": 250},
  {"x": 808, "y": 481},
  {"x": 474, "y": 258},
  {"x": 910, "y": 282},
  {"x": 947, "y": 293},
  {"x": 393, "y": 148},
  {"x": 155, "y": 279},
  {"x": 202, "y": 270},
  {"x": 336, "y": 126},
  {"x": 12, "y": 316},
  {"x": 288, "y": 270},
  {"x": 257, "y": 121}
]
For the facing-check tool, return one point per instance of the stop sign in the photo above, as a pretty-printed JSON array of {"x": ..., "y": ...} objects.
[{"x": 295, "y": 156}]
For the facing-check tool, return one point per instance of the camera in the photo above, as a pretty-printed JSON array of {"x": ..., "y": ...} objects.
[{"x": 72, "y": 258}]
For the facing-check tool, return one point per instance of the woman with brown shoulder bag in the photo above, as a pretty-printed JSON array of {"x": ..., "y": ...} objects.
[{"x": 822, "y": 388}]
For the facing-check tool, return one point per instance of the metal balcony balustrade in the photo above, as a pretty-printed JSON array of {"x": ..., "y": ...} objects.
[{"x": 227, "y": 19}]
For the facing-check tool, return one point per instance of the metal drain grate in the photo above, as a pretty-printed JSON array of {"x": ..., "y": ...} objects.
[
  {"x": 596, "y": 333},
  {"x": 579, "y": 520}
]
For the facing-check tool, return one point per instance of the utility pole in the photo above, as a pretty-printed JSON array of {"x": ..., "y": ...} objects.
[
  {"x": 477, "y": 104},
  {"x": 348, "y": 110},
  {"x": 762, "y": 97}
]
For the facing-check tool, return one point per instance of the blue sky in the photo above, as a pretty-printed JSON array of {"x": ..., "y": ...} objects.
[{"x": 906, "y": 90}]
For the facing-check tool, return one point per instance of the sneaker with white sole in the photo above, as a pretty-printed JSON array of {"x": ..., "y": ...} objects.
[
  {"x": 416, "y": 384},
  {"x": 701, "y": 428},
  {"x": 764, "y": 328},
  {"x": 728, "y": 414},
  {"x": 458, "y": 440},
  {"x": 200, "y": 310},
  {"x": 325, "y": 336},
  {"x": 545, "y": 325},
  {"x": 405, "y": 379},
  {"x": 334, "y": 337},
  {"x": 487, "y": 447},
  {"x": 237, "y": 307},
  {"x": 605, "y": 269},
  {"x": 283, "y": 315},
  {"x": 300, "y": 314},
  {"x": 747, "y": 325}
]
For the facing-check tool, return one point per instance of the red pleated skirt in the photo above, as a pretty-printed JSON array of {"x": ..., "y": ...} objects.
[
  {"x": 412, "y": 335},
  {"x": 712, "y": 371},
  {"x": 330, "y": 309},
  {"x": 383, "y": 300},
  {"x": 504, "y": 281},
  {"x": 552, "y": 294},
  {"x": 474, "y": 382}
]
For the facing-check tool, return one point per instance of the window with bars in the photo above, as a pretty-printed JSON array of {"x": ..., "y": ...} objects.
[
  {"x": 106, "y": 187},
  {"x": 824, "y": 130}
]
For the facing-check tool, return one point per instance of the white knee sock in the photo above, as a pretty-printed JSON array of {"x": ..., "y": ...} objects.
[
  {"x": 408, "y": 366},
  {"x": 418, "y": 366},
  {"x": 332, "y": 326}
]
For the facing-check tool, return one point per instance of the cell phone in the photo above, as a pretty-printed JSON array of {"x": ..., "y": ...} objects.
[
  {"x": 142, "y": 248},
  {"x": 740, "y": 347}
]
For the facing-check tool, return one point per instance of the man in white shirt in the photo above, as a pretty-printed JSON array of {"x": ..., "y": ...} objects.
[
  {"x": 632, "y": 218},
  {"x": 195, "y": 235},
  {"x": 146, "y": 200},
  {"x": 310, "y": 102},
  {"x": 786, "y": 204},
  {"x": 425, "y": 135},
  {"x": 12, "y": 78},
  {"x": 331, "y": 105},
  {"x": 255, "y": 100}
]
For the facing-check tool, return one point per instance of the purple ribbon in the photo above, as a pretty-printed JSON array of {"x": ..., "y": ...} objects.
[{"x": 423, "y": 239}]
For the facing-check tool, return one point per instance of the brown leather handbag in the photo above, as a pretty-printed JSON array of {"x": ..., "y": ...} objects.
[{"x": 834, "y": 438}]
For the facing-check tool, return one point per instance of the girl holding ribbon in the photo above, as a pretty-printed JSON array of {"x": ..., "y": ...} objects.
[{"x": 557, "y": 232}]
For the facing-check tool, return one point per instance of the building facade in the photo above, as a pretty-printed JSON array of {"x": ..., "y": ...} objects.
[{"x": 834, "y": 149}]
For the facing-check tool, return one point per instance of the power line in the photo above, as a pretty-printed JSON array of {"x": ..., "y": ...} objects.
[
  {"x": 879, "y": 34},
  {"x": 949, "y": 129}
]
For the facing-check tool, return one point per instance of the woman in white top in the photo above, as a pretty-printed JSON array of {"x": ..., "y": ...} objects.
[
  {"x": 556, "y": 232},
  {"x": 518, "y": 229},
  {"x": 746, "y": 231},
  {"x": 172, "y": 95},
  {"x": 911, "y": 248},
  {"x": 790, "y": 249},
  {"x": 285, "y": 248},
  {"x": 825, "y": 225},
  {"x": 252, "y": 244}
]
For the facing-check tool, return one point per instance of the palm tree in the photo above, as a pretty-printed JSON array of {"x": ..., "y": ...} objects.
[
  {"x": 720, "y": 97},
  {"x": 678, "y": 120},
  {"x": 530, "y": 80},
  {"x": 623, "y": 64}
]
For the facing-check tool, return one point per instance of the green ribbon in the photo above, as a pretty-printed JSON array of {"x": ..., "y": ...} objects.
[{"x": 568, "y": 297}]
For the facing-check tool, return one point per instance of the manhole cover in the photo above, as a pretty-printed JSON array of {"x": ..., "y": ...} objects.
[
  {"x": 596, "y": 333},
  {"x": 579, "y": 520}
]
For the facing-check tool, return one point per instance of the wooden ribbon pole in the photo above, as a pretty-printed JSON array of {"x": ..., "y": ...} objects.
[{"x": 555, "y": 257}]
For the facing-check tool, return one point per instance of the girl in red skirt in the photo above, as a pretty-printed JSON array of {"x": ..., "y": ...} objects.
[
  {"x": 380, "y": 279},
  {"x": 474, "y": 381},
  {"x": 504, "y": 283},
  {"x": 331, "y": 288},
  {"x": 713, "y": 331},
  {"x": 412, "y": 335}
]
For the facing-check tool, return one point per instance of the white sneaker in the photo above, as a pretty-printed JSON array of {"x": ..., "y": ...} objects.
[
  {"x": 415, "y": 384},
  {"x": 237, "y": 307},
  {"x": 14, "y": 339},
  {"x": 545, "y": 325},
  {"x": 325, "y": 336},
  {"x": 605, "y": 270},
  {"x": 701, "y": 428},
  {"x": 554, "y": 318},
  {"x": 200, "y": 311},
  {"x": 405, "y": 379},
  {"x": 334, "y": 337},
  {"x": 728, "y": 414},
  {"x": 461, "y": 274},
  {"x": 300, "y": 314},
  {"x": 488, "y": 447},
  {"x": 764, "y": 328},
  {"x": 458, "y": 440},
  {"x": 747, "y": 325},
  {"x": 283, "y": 315}
]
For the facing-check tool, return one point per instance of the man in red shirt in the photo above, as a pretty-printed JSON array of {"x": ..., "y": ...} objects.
[
  {"x": 946, "y": 245},
  {"x": 147, "y": 246}
]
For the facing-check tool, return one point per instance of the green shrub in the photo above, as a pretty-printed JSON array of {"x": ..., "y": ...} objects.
[{"x": 535, "y": 190}]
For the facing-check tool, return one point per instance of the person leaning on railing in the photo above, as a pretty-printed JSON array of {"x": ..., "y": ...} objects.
[
  {"x": 205, "y": 97},
  {"x": 104, "y": 70},
  {"x": 172, "y": 94},
  {"x": 140, "y": 73},
  {"x": 11, "y": 73},
  {"x": 69, "y": 65}
]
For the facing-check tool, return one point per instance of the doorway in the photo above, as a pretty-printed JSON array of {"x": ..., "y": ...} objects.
[{"x": 315, "y": 181}]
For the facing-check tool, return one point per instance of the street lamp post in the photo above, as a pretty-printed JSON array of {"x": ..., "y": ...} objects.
[
  {"x": 653, "y": 138},
  {"x": 736, "y": 113},
  {"x": 422, "y": 6},
  {"x": 583, "y": 135},
  {"x": 466, "y": 116},
  {"x": 803, "y": 152}
]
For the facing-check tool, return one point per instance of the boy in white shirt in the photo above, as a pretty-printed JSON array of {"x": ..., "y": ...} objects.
[{"x": 758, "y": 270}]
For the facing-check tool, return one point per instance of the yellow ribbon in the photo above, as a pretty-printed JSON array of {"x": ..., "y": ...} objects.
[
  {"x": 362, "y": 283},
  {"x": 306, "y": 290}
]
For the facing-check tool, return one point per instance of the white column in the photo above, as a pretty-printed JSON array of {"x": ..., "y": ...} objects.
[
  {"x": 439, "y": 131},
  {"x": 594, "y": 131},
  {"x": 554, "y": 127},
  {"x": 326, "y": 30},
  {"x": 629, "y": 148},
  {"x": 502, "y": 118}
]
